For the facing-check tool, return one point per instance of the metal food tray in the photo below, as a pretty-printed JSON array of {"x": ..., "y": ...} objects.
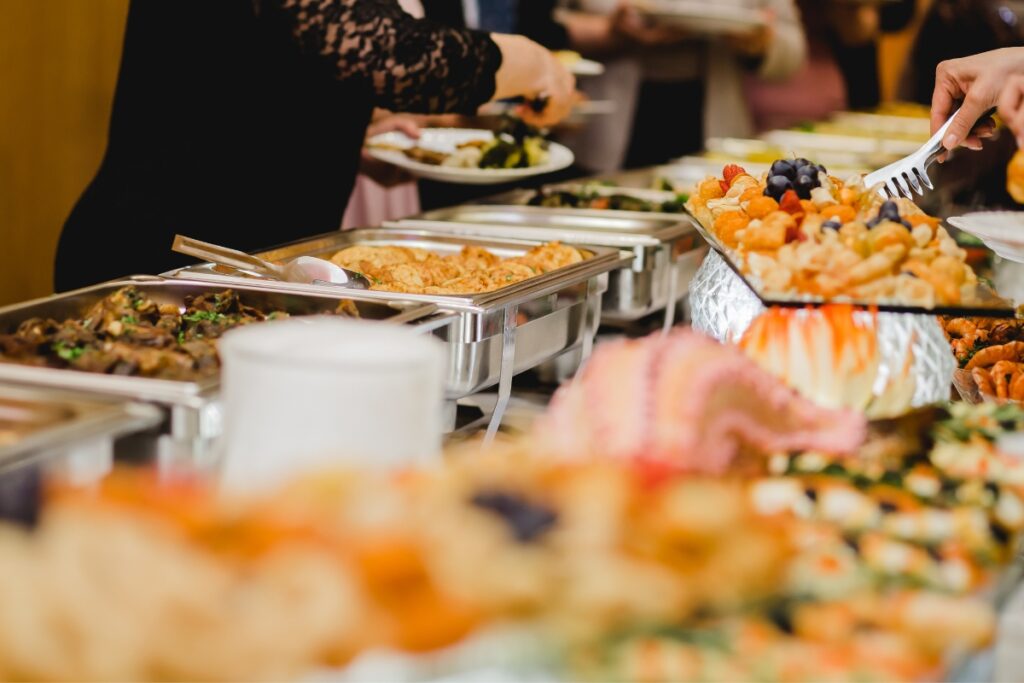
[
  {"x": 44, "y": 425},
  {"x": 193, "y": 410},
  {"x": 989, "y": 305},
  {"x": 490, "y": 336},
  {"x": 664, "y": 248}
]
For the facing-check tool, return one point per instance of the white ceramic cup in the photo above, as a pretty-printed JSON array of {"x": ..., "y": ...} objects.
[{"x": 312, "y": 393}]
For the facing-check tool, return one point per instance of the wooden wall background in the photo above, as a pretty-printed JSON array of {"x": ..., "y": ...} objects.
[{"x": 58, "y": 66}]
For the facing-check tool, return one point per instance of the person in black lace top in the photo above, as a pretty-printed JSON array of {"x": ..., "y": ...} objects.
[{"x": 242, "y": 121}]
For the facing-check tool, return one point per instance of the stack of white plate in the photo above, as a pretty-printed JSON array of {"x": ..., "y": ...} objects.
[{"x": 302, "y": 395}]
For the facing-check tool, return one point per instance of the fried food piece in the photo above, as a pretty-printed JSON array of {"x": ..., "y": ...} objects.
[
  {"x": 843, "y": 214},
  {"x": 769, "y": 234},
  {"x": 983, "y": 379},
  {"x": 728, "y": 224},
  {"x": 1017, "y": 387},
  {"x": 710, "y": 188},
  {"x": 1003, "y": 374},
  {"x": 472, "y": 270},
  {"x": 750, "y": 194},
  {"x": 1011, "y": 351},
  {"x": 761, "y": 206}
]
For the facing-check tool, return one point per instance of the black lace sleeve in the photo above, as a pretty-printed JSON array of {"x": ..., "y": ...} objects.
[{"x": 411, "y": 65}]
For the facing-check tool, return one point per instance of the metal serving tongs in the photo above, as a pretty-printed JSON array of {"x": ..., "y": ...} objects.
[
  {"x": 910, "y": 174},
  {"x": 304, "y": 269}
]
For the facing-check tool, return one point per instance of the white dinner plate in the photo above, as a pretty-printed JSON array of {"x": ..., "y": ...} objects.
[
  {"x": 447, "y": 140},
  {"x": 705, "y": 17},
  {"x": 1001, "y": 231}
]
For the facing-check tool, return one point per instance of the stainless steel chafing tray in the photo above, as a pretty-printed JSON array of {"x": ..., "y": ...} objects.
[
  {"x": 192, "y": 408},
  {"x": 490, "y": 336},
  {"x": 666, "y": 249},
  {"x": 69, "y": 433}
]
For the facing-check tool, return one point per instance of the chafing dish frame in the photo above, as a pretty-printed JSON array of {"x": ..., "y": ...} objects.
[
  {"x": 666, "y": 249},
  {"x": 192, "y": 408},
  {"x": 490, "y": 336},
  {"x": 78, "y": 433}
]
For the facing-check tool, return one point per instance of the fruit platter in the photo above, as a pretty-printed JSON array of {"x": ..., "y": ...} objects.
[{"x": 799, "y": 235}]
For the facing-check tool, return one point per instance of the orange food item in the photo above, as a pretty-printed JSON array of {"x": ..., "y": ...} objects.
[
  {"x": 848, "y": 196},
  {"x": 710, "y": 189},
  {"x": 840, "y": 212},
  {"x": 1015, "y": 177},
  {"x": 808, "y": 206},
  {"x": 761, "y": 206},
  {"x": 750, "y": 194},
  {"x": 728, "y": 224},
  {"x": 418, "y": 616},
  {"x": 922, "y": 219}
]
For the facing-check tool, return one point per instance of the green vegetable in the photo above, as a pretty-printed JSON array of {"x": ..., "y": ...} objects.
[
  {"x": 66, "y": 352},
  {"x": 129, "y": 320},
  {"x": 204, "y": 315}
]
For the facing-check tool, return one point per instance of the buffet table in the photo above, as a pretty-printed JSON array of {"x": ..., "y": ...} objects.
[{"x": 786, "y": 494}]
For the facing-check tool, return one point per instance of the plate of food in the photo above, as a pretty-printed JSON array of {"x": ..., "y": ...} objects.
[
  {"x": 704, "y": 17},
  {"x": 609, "y": 197},
  {"x": 991, "y": 357},
  {"x": 798, "y": 235},
  {"x": 470, "y": 156},
  {"x": 1001, "y": 231}
]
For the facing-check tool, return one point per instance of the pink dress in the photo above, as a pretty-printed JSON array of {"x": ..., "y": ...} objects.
[
  {"x": 371, "y": 204},
  {"x": 813, "y": 93}
]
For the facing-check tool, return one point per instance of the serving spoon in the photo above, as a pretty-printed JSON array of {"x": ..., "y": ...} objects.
[{"x": 304, "y": 269}]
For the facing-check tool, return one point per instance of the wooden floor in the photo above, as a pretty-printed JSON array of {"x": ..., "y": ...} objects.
[{"x": 58, "y": 65}]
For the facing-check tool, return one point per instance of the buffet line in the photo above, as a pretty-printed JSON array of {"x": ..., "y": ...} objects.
[{"x": 782, "y": 491}]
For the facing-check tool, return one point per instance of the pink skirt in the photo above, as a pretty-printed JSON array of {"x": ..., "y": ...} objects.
[{"x": 372, "y": 204}]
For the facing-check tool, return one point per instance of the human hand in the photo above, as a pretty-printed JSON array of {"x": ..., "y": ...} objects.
[
  {"x": 1011, "y": 107},
  {"x": 535, "y": 74},
  {"x": 978, "y": 81},
  {"x": 401, "y": 123},
  {"x": 382, "y": 173}
]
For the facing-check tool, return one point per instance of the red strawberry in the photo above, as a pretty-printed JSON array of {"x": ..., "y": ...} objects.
[
  {"x": 730, "y": 172},
  {"x": 790, "y": 203},
  {"x": 724, "y": 185}
]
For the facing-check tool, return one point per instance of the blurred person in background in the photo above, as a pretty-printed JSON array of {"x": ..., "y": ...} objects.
[
  {"x": 243, "y": 123},
  {"x": 605, "y": 35},
  {"x": 674, "y": 89},
  {"x": 841, "y": 71}
]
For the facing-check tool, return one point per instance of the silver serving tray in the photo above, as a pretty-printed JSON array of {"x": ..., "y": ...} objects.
[
  {"x": 665, "y": 249},
  {"x": 193, "y": 409},
  {"x": 490, "y": 336},
  {"x": 45, "y": 425}
]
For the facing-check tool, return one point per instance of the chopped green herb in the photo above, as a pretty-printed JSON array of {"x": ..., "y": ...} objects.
[
  {"x": 66, "y": 352},
  {"x": 181, "y": 336},
  {"x": 129, "y": 320},
  {"x": 196, "y": 316}
]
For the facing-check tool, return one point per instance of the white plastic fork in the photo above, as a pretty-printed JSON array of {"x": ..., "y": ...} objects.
[{"x": 909, "y": 174}]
